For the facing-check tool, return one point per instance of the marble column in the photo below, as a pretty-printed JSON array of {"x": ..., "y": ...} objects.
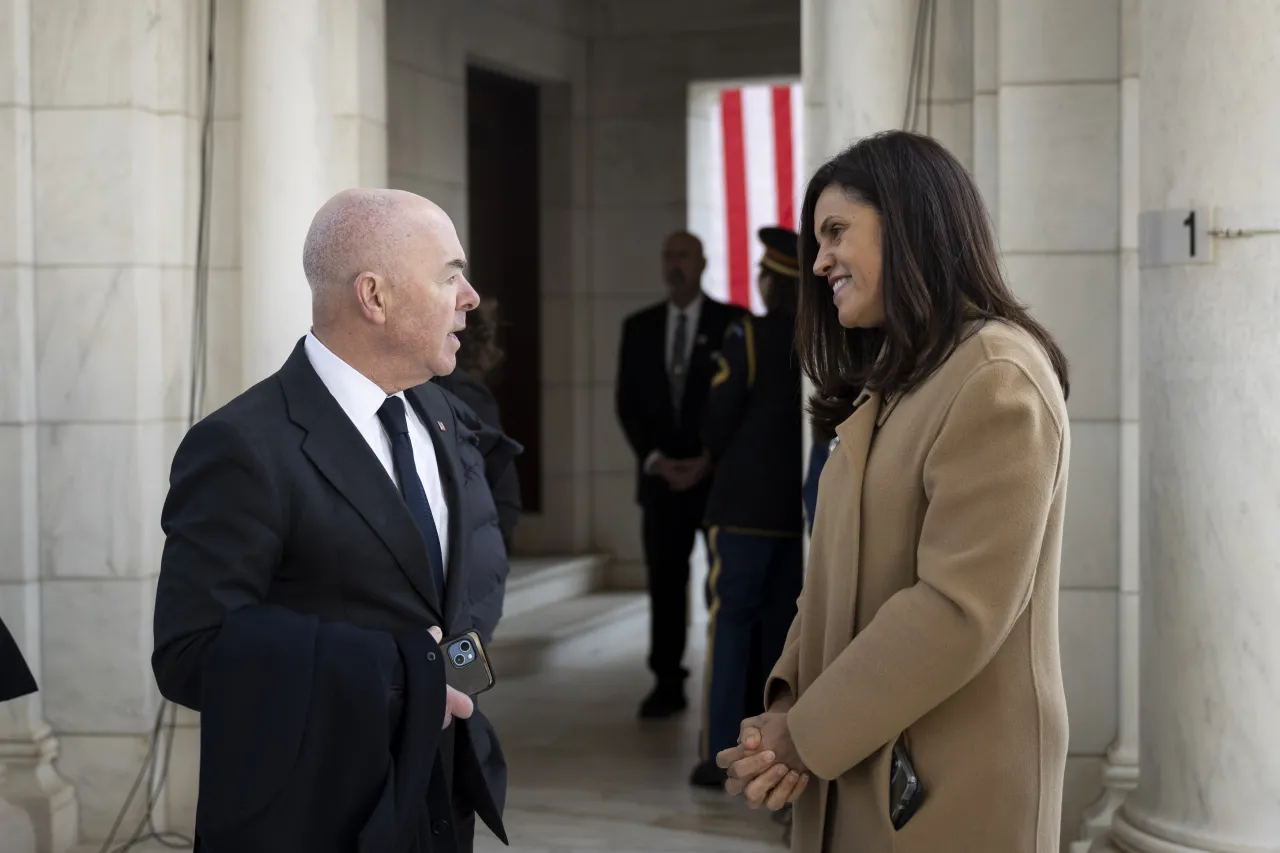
[
  {"x": 285, "y": 130},
  {"x": 854, "y": 67},
  {"x": 946, "y": 86},
  {"x": 1210, "y": 380},
  {"x": 855, "y": 64},
  {"x": 358, "y": 65},
  {"x": 1058, "y": 208},
  {"x": 115, "y": 130},
  {"x": 38, "y": 809}
]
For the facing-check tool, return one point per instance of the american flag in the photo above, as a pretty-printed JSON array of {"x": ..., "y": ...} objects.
[{"x": 755, "y": 179}]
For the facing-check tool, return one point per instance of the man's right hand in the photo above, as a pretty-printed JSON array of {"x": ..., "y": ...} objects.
[
  {"x": 680, "y": 474},
  {"x": 456, "y": 703}
]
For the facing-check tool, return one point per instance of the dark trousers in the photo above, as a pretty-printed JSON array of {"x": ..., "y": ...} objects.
[
  {"x": 755, "y": 581},
  {"x": 670, "y": 528}
]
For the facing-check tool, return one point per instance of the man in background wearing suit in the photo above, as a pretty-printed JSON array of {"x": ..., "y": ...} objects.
[
  {"x": 664, "y": 373},
  {"x": 331, "y": 491}
]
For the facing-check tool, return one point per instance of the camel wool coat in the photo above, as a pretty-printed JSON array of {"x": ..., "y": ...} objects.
[{"x": 930, "y": 612}]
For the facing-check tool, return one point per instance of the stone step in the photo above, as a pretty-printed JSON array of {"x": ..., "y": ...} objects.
[
  {"x": 535, "y": 582},
  {"x": 574, "y": 629}
]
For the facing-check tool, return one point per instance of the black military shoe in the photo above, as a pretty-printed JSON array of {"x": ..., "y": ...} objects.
[
  {"x": 664, "y": 701},
  {"x": 708, "y": 775}
]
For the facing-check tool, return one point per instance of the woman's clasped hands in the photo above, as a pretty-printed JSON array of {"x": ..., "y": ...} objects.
[{"x": 765, "y": 765}]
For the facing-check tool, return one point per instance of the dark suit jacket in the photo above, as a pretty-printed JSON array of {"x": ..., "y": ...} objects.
[
  {"x": 643, "y": 390},
  {"x": 279, "y": 691},
  {"x": 15, "y": 676},
  {"x": 277, "y": 499},
  {"x": 754, "y": 429}
]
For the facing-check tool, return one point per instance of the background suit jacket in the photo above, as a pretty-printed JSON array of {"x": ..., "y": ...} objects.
[
  {"x": 643, "y": 390},
  {"x": 277, "y": 499}
]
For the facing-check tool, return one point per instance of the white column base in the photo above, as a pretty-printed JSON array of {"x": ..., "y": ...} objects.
[
  {"x": 1133, "y": 833},
  {"x": 1118, "y": 779},
  {"x": 30, "y": 782}
]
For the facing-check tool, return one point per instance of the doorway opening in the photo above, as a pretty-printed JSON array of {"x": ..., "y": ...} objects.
[{"x": 505, "y": 225}]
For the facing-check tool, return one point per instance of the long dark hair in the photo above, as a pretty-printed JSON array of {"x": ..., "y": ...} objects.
[
  {"x": 480, "y": 353},
  {"x": 939, "y": 270}
]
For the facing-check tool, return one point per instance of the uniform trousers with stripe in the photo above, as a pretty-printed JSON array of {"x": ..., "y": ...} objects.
[{"x": 754, "y": 582}]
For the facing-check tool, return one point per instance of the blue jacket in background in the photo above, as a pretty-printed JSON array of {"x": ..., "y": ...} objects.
[{"x": 486, "y": 454}]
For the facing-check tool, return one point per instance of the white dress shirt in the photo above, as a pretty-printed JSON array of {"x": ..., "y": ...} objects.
[
  {"x": 692, "y": 313},
  {"x": 360, "y": 398}
]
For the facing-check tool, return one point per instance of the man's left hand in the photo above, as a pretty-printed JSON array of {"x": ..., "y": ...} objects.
[{"x": 457, "y": 705}]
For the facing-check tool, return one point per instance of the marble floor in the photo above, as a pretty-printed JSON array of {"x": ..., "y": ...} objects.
[{"x": 586, "y": 775}]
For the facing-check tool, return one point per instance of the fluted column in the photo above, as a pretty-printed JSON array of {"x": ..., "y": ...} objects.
[
  {"x": 38, "y": 808},
  {"x": 1210, "y": 643},
  {"x": 285, "y": 125}
]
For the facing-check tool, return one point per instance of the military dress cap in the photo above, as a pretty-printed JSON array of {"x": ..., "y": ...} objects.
[{"x": 781, "y": 253}]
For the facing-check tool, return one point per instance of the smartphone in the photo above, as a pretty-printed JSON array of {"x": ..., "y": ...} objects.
[
  {"x": 467, "y": 667},
  {"x": 906, "y": 791}
]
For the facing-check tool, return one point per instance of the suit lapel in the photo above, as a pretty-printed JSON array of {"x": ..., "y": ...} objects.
[
  {"x": 341, "y": 454},
  {"x": 703, "y": 344},
  {"x": 433, "y": 409},
  {"x": 658, "y": 357}
]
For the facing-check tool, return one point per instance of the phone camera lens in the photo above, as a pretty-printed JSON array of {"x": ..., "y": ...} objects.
[
  {"x": 459, "y": 660},
  {"x": 465, "y": 646}
]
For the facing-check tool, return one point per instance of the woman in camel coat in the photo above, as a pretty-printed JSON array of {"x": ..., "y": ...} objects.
[{"x": 929, "y": 616}]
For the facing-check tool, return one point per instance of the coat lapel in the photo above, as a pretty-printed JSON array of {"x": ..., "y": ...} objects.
[
  {"x": 340, "y": 453},
  {"x": 838, "y": 528},
  {"x": 855, "y": 436},
  {"x": 435, "y": 412}
]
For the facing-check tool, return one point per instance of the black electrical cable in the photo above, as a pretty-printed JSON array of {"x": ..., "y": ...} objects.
[{"x": 156, "y": 770}]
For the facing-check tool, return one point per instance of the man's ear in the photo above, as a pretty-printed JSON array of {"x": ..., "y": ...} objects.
[{"x": 371, "y": 295}]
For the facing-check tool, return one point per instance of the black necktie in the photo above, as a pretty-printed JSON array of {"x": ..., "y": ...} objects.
[
  {"x": 393, "y": 420},
  {"x": 678, "y": 343}
]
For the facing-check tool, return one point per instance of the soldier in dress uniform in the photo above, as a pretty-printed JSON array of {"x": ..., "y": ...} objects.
[{"x": 752, "y": 427}]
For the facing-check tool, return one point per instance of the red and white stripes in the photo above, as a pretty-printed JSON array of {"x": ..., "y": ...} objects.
[{"x": 755, "y": 172}]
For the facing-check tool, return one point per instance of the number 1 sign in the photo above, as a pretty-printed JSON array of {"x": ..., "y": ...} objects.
[{"x": 1169, "y": 238}]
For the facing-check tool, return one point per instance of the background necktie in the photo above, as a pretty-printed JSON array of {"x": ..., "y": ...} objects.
[
  {"x": 678, "y": 367},
  {"x": 392, "y": 415}
]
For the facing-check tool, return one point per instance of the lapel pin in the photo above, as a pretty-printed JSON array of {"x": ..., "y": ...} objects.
[{"x": 441, "y": 425}]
